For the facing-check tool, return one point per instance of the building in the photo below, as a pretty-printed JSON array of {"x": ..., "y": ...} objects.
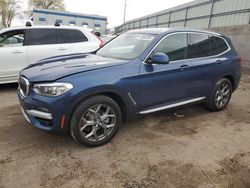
[
  {"x": 50, "y": 17},
  {"x": 196, "y": 14}
]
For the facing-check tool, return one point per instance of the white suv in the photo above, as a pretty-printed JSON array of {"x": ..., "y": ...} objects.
[{"x": 22, "y": 46}]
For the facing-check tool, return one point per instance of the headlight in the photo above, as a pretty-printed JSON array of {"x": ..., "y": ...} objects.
[{"x": 52, "y": 89}]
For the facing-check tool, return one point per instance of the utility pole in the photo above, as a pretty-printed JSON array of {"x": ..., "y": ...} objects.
[{"x": 125, "y": 9}]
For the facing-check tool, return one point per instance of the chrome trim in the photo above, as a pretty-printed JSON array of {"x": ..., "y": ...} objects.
[
  {"x": 131, "y": 98},
  {"x": 195, "y": 32},
  {"x": 26, "y": 92},
  {"x": 39, "y": 114},
  {"x": 25, "y": 115},
  {"x": 54, "y": 84},
  {"x": 172, "y": 105}
]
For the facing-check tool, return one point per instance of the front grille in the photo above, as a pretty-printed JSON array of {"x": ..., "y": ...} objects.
[{"x": 23, "y": 84}]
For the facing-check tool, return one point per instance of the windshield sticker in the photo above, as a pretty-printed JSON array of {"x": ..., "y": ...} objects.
[{"x": 149, "y": 38}]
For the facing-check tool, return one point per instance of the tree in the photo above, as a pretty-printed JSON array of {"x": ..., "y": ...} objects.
[
  {"x": 8, "y": 10},
  {"x": 48, "y": 4}
]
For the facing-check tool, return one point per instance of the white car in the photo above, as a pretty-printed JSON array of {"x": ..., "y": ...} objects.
[{"x": 22, "y": 46}]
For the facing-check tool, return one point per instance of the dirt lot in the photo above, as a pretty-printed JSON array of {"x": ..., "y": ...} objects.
[{"x": 201, "y": 149}]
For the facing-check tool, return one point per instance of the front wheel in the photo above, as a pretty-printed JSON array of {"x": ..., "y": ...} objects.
[
  {"x": 220, "y": 95},
  {"x": 96, "y": 121}
]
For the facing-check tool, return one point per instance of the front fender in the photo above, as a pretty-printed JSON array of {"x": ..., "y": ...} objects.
[{"x": 129, "y": 108}]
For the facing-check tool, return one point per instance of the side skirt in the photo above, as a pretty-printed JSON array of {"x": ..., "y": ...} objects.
[{"x": 172, "y": 105}]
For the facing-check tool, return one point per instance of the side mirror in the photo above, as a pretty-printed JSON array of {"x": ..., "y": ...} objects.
[
  {"x": 98, "y": 34},
  {"x": 159, "y": 58}
]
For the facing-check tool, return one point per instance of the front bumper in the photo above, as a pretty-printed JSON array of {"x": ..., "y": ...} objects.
[
  {"x": 25, "y": 115},
  {"x": 40, "y": 114},
  {"x": 36, "y": 113},
  {"x": 44, "y": 113}
]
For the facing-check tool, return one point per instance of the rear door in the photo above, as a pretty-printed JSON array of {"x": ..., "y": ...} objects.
[
  {"x": 78, "y": 41},
  {"x": 44, "y": 43},
  {"x": 13, "y": 53},
  {"x": 205, "y": 52},
  {"x": 168, "y": 83}
]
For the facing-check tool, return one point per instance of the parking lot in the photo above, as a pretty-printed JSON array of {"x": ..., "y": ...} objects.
[{"x": 187, "y": 147}]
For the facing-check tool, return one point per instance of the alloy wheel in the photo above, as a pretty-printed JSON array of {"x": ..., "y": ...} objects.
[
  {"x": 97, "y": 122},
  {"x": 222, "y": 95}
]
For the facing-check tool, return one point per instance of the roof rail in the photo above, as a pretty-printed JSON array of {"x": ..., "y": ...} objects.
[
  {"x": 28, "y": 24},
  {"x": 57, "y": 24}
]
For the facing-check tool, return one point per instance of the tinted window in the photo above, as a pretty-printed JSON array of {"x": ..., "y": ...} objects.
[
  {"x": 218, "y": 45},
  {"x": 175, "y": 46},
  {"x": 60, "y": 39},
  {"x": 43, "y": 36},
  {"x": 198, "y": 46},
  {"x": 214, "y": 50},
  {"x": 221, "y": 45},
  {"x": 72, "y": 36}
]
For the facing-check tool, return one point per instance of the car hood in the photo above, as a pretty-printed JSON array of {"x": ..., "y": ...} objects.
[{"x": 53, "y": 68}]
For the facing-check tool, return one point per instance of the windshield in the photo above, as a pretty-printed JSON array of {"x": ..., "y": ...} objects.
[{"x": 126, "y": 46}]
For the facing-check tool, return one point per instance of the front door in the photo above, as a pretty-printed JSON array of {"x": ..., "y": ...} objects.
[
  {"x": 13, "y": 53},
  {"x": 168, "y": 83}
]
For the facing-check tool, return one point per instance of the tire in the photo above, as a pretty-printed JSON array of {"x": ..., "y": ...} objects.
[
  {"x": 95, "y": 121},
  {"x": 219, "y": 97}
]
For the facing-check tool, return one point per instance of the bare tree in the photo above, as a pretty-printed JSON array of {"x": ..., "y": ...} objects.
[
  {"x": 8, "y": 10},
  {"x": 47, "y": 4}
]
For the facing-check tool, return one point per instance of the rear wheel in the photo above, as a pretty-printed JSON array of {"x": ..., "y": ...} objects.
[
  {"x": 96, "y": 121},
  {"x": 220, "y": 95}
]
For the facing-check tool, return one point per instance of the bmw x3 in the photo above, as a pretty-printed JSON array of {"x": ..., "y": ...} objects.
[{"x": 138, "y": 72}]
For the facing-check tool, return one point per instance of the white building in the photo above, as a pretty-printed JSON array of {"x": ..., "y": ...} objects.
[{"x": 50, "y": 17}]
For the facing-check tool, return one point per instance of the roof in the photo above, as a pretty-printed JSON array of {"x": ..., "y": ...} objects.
[
  {"x": 69, "y": 14},
  {"x": 43, "y": 27},
  {"x": 150, "y": 31},
  {"x": 158, "y": 31}
]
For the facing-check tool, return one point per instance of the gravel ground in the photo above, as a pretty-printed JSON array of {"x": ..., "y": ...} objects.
[{"x": 186, "y": 147}]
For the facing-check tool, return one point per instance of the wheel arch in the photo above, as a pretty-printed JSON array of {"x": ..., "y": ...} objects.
[
  {"x": 231, "y": 79},
  {"x": 113, "y": 94}
]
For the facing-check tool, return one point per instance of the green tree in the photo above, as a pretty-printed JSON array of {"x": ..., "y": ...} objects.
[
  {"x": 8, "y": 10},
  {"x": 47, "y": 4}
]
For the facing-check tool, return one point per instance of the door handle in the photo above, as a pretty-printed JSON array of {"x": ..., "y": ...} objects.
[
  {"x": 17, "y": 52},
  {"x": 218, "y": 62},
  {"x": 62, "y": 49},
  {"x": 184, "y": 67}
]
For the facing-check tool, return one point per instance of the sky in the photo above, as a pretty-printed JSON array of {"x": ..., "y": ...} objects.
[{"x": 114, "y": 9}]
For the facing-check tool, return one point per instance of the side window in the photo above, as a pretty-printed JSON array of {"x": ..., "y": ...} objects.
[
  {"x": 214, "y": 50},
  {"x": 175, "y": 46},
  {"x": 60, "y": 39},
  {"x": 199, "y": 45},
  {"x": 218, "y": 45},
  {"x": 73, "y": 36},
  {"x": 12, "y": 39},
  {"x": 43, "y": 36}
]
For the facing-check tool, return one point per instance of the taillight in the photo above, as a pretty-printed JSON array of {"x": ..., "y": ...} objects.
[
  {"x": 239, "y": 60},
  {"x": 102, "y": 43}
]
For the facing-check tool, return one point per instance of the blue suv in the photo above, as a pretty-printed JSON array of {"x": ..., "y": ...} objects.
[{"x": 139, "y": 72}]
